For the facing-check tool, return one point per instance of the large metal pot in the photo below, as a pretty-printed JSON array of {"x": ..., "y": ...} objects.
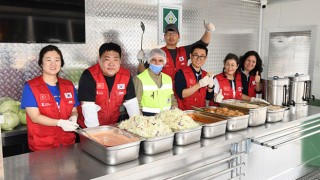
[
  {"x": 300, "y": 89},
  {"x": 276, "y": 90}
]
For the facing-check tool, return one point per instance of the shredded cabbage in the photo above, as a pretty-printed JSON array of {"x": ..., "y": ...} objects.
[{"x": 144, "y": 126}]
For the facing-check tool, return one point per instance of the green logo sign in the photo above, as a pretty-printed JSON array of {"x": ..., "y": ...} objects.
[{"x": 170, "y": 16}]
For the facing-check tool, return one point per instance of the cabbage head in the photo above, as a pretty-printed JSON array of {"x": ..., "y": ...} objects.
[
  {"x": 22, "y": 116},
  {"x": 11, "y": 120},
  {"x": 3, "y": 99},
  {"x": 10, "y": 105}
]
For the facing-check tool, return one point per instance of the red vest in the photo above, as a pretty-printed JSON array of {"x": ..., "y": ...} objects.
[
  {"x": 197, "y": 99},
  {"x": 227, "y": 90},
  {"x": 252, "y": 86},
  {"x": 181, "y": 61},
  {"x": 109, "y": 103},
  {"x": 42, "y": 137}
]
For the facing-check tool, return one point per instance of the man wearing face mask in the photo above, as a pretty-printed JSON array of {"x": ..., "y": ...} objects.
[{"x": 154, "y": 88}]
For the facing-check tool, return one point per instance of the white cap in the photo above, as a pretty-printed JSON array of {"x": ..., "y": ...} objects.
[{"x": 159, "y": 52}]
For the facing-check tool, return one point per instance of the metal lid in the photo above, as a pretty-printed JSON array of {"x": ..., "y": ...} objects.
[
  {"x": 299, "y": 77},
  {"x": 276, "y": 81}
]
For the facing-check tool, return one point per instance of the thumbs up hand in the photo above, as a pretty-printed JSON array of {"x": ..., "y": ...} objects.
[
  {"x": 257, "y": 77},
  {"x": 218, "y": 97}
]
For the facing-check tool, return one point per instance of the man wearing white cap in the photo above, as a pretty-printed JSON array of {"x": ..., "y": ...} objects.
[
  {"x": 177, "y": 57},
  {"x": 154, "y": 88}
]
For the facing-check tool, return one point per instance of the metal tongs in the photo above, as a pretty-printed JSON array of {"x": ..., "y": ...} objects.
[{"x": 79, "y": 129}]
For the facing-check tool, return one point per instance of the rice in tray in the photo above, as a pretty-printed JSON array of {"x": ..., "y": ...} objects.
[{"x": 274, "y": 107}]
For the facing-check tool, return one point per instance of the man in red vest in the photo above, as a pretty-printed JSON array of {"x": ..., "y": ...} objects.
[
  {"x": 104, "y": 87},
  {"x": 177, "y": 57},
  {"x": 195, "y": 85}
]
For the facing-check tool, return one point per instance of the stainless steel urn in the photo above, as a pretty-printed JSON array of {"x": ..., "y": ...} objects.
[
  {"x": 300, "y": 89},
  {"x": 276, "y": 91}
]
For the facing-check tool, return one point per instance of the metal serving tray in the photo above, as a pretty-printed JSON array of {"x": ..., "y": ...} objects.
[
  {"x": 238, "y": 123},
  {"x": 212, "y": 126},
  {"x": 257, "y": 116},
  {"x": 187, "y": 136},
  {"x": 233, "y": 123},
  {"x": 276, "y": 115},
  {"x": 109, "y": 155},
  {"x": 157, "y": 145}
]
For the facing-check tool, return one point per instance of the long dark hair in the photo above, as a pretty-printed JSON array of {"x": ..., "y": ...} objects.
[{"x": 258, "y": 66}]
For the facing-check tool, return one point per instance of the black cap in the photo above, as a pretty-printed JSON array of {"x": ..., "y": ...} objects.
[{"x": 171, "y": 27}]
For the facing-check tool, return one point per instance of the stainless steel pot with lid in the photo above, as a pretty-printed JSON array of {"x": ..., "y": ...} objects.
[
  {"x": 300, "y": 92},
  {"x": 276, "y": 90}
]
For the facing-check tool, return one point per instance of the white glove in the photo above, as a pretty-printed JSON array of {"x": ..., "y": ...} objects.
[
  {"x": 258, "y": 100},
  {"x": 73, "y": 118},
  {"x": 219, "y": 97},
  {"x": 209, "y": 26},
  {"x": 67, "y": 125},
  {"x": 204, "y": 81},
  {"x": 90, "y": 114},
  {"x": 132, "y": 107},
  {"x": 141, "y": 56}
]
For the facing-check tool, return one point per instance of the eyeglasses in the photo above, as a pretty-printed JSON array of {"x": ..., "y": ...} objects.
[
  {"x": 171, "y": 33},
  {"x": 196, "y": 56}
]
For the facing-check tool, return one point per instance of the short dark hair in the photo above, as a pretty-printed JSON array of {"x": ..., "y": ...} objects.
[
  {"x": 258, "y": 66},
  {"x": 230, "y": 56},
  {"x": 199, "y": 46},
  {"x": 109, "y": 47},
  {"x": 46, "y": 49}
]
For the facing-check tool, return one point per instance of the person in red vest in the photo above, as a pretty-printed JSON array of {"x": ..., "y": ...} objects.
[
  {"x": 177, "y": 57},
  {"x": 50, "y": 103},
  {"x": 251, "y": 69},
  {"x": 228, "y": 84},
  {"x": 104, "y": 87},
  {"x": 193, "y": 84}
]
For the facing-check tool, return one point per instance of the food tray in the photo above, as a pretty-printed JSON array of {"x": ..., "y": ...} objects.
[
  {"x": 276, "y": 115},
  {"x": 187, "y": 136},
  {"x": 212, "y": 126},
  {"x": 110, "y": 155},
  {"x": 257, "y": 116},
  {"x": 157, "y": 145},
  {"x": 234, "y": 123}
]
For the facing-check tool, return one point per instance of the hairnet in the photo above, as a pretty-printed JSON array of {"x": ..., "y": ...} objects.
[{"x": 159, "y": 52}]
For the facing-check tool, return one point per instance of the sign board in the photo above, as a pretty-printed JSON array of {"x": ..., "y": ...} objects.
[{"x": 168, "y": 14}]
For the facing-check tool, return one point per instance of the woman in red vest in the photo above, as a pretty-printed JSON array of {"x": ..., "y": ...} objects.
[
  {"x": 251, "y": 69},
  {"x": 50, "y": 103},
  {"x": 228, "y": 85}
]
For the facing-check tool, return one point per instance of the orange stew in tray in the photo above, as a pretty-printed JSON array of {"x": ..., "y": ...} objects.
[
  {"x": 112, "y": 138},
  {"x": 202, "y": 119}
]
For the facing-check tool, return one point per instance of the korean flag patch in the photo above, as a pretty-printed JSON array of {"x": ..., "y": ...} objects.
[
  {"x": 121, "y": 86},
  {"x": 68, "y": 95}
]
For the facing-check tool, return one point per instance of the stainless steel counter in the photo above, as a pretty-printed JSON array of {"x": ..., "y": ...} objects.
[{"x": 73, "y": 163}]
